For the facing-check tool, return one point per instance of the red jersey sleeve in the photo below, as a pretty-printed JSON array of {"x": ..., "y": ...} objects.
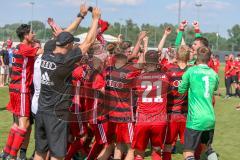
[
  {"x": 99, "y": 82},
  {"x": 28, "y": 51}
]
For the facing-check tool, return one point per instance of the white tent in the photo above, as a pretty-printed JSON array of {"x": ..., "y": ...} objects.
[{"x": 107, "y": 37}]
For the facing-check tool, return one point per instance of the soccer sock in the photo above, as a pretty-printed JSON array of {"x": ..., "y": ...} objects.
[
  {"x": 156, "y": 155},
  {"x": 190, "y": 158},
  {"x": 212, "y": 156},
  {"x": 23, "y": 153},
  {"x": 10, "y": 139},
  {"x": 95, "y": 151},
  {"x": 74, "y": 148},
  {"x": 167, "y": 156},
  {"x": 198, "y": 152},
  {"x": 17, "y": 142}
]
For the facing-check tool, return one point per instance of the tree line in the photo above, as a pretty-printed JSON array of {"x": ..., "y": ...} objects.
[{"x": 130, "y": 31}]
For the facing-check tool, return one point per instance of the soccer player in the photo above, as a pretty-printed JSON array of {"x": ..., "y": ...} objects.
[
  {"x": 55, "y": 95},
  {"x": 200, "y": 82},
  {"x": 19, "y": 88},
  {"x": 151, "y": 119},
  {"x": 230, "y": 75},
  {"x": 118, "y": 99},
  {"x": 176, "y": 102}
]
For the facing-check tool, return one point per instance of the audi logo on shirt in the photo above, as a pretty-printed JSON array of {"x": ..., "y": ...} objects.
[
  {"x": 115, "y": 84},
  {"x": 176, "y": 83},
  {"x": 48, "y": 65}
]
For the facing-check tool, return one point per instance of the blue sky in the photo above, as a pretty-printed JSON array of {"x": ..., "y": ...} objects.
[{"x": 215, "y": 15}]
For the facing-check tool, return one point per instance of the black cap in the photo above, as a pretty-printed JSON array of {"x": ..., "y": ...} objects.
[
  {"x": 50, "y": 45},
  {"x": 65, "y": 38}
]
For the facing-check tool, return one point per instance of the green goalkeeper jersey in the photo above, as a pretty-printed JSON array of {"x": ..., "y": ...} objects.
[{"x": 200, "y": 81}]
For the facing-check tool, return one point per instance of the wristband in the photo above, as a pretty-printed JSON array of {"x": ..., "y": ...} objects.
[
  {"x": 197, "y": 30},
  {"x": 80, "y": 16}
]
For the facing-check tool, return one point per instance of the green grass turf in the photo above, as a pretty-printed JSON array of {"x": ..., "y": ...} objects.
[{"x": 227, "y": 132}]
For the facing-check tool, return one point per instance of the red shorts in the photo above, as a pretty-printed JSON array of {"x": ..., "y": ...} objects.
[
  {"x": 100, "y": 133},
  {"x": 20, "y": 104},
  {"x": 143, "y": 133},
  {"x": 123, "y": 132},
  {"x": 176, "y": 127}
]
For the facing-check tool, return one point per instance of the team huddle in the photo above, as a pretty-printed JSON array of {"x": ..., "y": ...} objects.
[{"x": 110, "y": 100}]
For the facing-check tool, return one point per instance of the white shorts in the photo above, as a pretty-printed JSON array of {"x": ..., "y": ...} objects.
[{"x": 4, "y": 70}]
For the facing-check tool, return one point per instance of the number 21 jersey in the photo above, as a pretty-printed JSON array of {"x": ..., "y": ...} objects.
[{"x": 152, "y": 88}]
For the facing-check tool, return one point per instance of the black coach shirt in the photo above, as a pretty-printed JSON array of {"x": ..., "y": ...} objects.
[{"x": 56, "y": 79}]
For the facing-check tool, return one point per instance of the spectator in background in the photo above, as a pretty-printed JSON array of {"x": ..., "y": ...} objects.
[
  {"x": 238, "y": 75},
  {"x": 9, "y": 43},
  {"x": 230, "y": 76},
  {"x": 10, "y": 55},
  {"x": 4, "y": 57}
]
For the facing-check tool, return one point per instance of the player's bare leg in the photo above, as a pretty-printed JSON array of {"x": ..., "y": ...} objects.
[
  {"x": 118, "y": 152},
  {"x": 106, "y": 152},
  {"x": 40, "y": 156},
  {"x": 130, "y": 154}
]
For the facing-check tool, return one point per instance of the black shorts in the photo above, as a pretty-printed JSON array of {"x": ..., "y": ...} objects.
[
  {"x": 193, "y": 138},
  {"x": 51, "y": 134}
]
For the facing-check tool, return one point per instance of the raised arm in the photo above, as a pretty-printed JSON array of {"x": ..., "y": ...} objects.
[
  {"x": 136, "y": 48},
  {"x": 197, "y": 29},
  {"x": 167, "y": 32},
  {"x": 181, "y": 29},
  {"x": 92, "y": 33},
  {"x": 73, "y": 26}
]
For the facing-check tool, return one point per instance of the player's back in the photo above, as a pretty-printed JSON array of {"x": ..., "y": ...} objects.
[
  {"x": 203, "y": 81},
  {"x": 152, "y": 88}
]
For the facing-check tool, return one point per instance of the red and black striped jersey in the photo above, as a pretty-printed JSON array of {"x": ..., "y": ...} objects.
[
  {"x": 177, "y": 103},
  {"x": 118, "y": 93},
  {"x": 77, "y": 81},
  {"x": 94, "y": 98},
  {"x": 22, "y": 68},
  {"x": 152, "y": 89}
]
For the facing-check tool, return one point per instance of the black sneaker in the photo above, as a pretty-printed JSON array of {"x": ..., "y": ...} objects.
[{"x": 3, "y": 155}]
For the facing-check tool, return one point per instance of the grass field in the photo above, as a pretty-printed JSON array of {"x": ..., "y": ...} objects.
[{"x": 227, "y": 132}]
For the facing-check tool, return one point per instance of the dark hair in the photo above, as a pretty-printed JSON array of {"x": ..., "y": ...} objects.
[
  {"x": 203, "y": 40},
  {"x": 23, "y": 30},
  {"x": 203, "y": 55},
  {"x": 217, "y": 56},
  {"x": 238, "y": 55},
  {"x": 226, "y": 55}
]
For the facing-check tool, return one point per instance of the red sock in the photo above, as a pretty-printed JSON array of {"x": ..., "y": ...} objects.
[
  {"x": 74, "y": 148},
  {"x": 95, "y": 151},
  {"x": 138, "y": 158},
  {"x": 198, "y": 152},
  {"x": 167, "y": 156},
  {"x": 10, "y": 139},
  {"x": 156, "y": 155},
  {"x": 19, "y": 137}
]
